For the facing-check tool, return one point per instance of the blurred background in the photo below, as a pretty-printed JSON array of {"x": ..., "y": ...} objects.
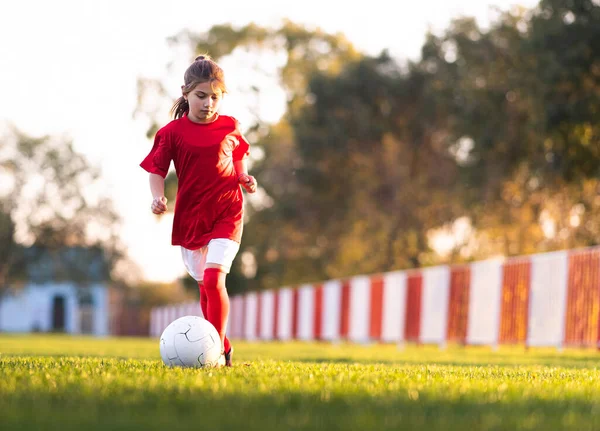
[{"x": 384, "y": 137}]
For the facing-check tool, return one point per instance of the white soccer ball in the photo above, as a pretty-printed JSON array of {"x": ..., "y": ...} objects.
[{"x": 191, "y": 341}]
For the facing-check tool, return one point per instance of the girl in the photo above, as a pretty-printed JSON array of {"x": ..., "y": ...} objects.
[{"x": 209, "y": 153}]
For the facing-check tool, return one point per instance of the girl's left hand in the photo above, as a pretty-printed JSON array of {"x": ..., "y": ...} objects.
[{"x": 248, "y": 182}]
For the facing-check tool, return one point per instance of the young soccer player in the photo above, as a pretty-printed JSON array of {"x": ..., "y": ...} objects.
[{"x": 209, "y": 153}]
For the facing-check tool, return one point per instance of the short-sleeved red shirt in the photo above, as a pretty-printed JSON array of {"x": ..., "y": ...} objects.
[{"x": 209, "y": 198}]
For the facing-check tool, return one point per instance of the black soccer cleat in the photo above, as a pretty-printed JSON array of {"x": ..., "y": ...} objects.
[{"x": 228, "y": 356}]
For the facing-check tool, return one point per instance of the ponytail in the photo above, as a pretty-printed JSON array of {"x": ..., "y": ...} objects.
[{"x": 180, "y": 108}]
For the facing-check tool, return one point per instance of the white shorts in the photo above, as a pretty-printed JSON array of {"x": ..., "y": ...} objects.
[{"x": 221, "y": 251}]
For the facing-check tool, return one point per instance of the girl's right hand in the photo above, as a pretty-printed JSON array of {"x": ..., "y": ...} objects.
[
  {"x": 248, "y": 182},
  {"x": 159, "y": 205}
]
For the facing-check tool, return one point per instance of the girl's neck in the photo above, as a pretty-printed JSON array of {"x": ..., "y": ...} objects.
[{"x": 199, "y": 121}]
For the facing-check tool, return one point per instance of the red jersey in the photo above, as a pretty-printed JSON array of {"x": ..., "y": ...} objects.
[{"x": 209, "y": 198}]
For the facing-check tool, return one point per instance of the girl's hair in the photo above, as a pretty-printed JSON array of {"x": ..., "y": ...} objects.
[{"x": 203, "y": 69}]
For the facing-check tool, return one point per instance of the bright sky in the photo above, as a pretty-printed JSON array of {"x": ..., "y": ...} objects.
[{"x": 69, "y": 68}]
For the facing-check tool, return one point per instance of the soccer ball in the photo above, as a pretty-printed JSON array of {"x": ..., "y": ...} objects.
[{"x": 191, "y": 341}]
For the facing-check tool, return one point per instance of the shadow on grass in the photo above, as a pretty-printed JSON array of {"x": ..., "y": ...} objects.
[{"x": 289, "y": 409}]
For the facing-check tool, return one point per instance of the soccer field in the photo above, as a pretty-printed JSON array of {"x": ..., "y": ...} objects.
[{"x": 79, "y": 383}]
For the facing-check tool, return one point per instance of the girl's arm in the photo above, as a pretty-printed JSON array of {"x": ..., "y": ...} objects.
[
  {"x": 241, "y": 167},
  {"x": 157, "y": 188},
  {"x": 247, "y": 181}
]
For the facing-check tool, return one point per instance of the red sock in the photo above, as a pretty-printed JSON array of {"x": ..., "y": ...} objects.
[
  {"x": 218, "y": 301},
  {"x": 204, "y": 308},
  {"x": 203, "y": 299}
]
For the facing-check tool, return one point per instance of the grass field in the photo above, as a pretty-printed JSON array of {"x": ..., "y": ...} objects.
[{"x": 79, "y": 383}]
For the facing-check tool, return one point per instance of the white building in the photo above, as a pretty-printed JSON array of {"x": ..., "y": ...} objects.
[{"x": 56, "y": 307}]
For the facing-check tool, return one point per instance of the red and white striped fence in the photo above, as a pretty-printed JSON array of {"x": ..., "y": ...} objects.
[{"x": 549, "y": 299}]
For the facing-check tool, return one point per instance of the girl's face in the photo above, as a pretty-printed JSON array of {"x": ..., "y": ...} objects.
[{"x": 204, "y": 103}]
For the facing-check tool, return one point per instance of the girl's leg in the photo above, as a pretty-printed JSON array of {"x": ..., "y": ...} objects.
[
  {"x": 203, "y": 299},
  {"x": 204, "y": 307},
  {"x": 195, "y": 264},
  {"x": 217, "y": 301},
  {"x": 219, "y": 258}
]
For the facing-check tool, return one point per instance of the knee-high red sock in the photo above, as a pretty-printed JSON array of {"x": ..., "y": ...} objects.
[
  {"x": 218, "y": 301},
  {"x": 204, "y": 308}
]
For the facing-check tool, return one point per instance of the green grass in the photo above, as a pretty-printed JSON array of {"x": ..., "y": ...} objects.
[{"x": 79, "y": 383}]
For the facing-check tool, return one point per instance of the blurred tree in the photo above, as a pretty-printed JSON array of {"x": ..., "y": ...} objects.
[
  {"x": 489, "y": 88},
  {"x": 522, "y": 113},
  {"x": 376, "y": 174},
  {"x": 564, "y": 35},
  {"x": 8, "y": 248},
  {"x": 49, "y": 205}
]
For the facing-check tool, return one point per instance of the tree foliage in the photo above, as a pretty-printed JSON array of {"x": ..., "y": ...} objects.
[{"x": 53, "y": 226}]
